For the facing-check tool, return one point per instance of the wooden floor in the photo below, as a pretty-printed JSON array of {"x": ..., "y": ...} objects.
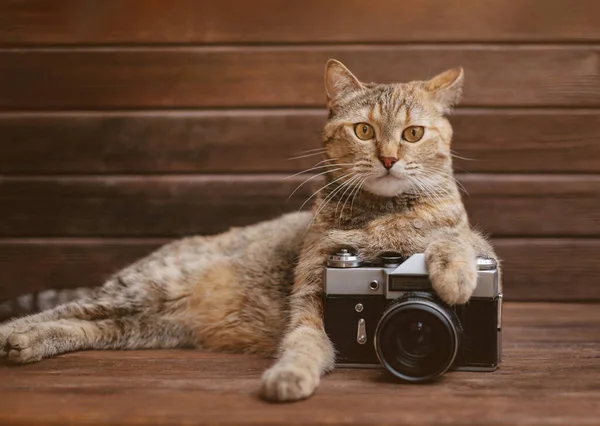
[{"x": 550, "y": 375}]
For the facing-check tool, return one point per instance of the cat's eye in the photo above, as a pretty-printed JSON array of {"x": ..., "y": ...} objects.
[
  {"x": 364, "y": 131},
  {"x": 413, "y": 133}
]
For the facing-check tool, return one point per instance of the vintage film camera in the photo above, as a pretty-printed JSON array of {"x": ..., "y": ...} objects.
[{"x": 387, "y": 313}]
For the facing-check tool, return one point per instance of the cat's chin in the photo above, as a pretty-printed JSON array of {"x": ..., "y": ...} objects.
[{"x": 387, "y": 186}]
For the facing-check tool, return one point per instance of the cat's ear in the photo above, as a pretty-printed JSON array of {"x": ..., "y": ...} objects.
[
  {"x": 339, "y": 82},
  {"x": 446, "y": 88}
]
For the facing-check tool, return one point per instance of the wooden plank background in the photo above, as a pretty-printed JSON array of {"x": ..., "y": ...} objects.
[
  {"x": 177, "y": 205},
  {"x": 77, "y": 22},
  {"x": 125, "y": 123},
  {"x": 201, "y": 141},
  {"x": 286, "y": 76}
]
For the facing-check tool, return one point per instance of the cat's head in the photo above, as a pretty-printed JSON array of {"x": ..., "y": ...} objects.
[{"x": 390, "y": 138}]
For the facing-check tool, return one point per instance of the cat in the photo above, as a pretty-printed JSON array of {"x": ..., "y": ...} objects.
[{"x": 389, "y": 186}]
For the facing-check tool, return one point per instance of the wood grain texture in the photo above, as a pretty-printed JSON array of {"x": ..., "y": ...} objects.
[
  {"x": 549, "y": 375},
  {"x": 550, "y": 268},
  {"x": 550, "y": 205},
  {"x": 32, "y": 265},
  {"x": 250, "y": 141},
  {"x": 142, "y": 206},
  {"x": 533, "y": 269},
  {"x": 286, "y": 76},
  {"x": 101, "y": 206},
  {"x": 212, "y": 21}
]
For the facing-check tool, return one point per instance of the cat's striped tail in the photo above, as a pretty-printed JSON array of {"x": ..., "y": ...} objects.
[{"x": 31, "y": 303}]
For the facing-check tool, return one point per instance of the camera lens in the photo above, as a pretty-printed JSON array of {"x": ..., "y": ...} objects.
[{"x": 417, "y": 338}]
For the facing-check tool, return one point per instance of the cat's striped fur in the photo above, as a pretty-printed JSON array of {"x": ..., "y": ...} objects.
[{"x": 259, "y": 289}]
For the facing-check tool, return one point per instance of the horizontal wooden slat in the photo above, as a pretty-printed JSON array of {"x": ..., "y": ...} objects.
[
  {"x": 121, "y": 206},
  {"x": 504, "y": 205},
  {"x": 155, "y": 142},
  {"x": 550, "y": 269},
  {"x": 287, "y": 76},
  {"x": 534, "y": 269},
  {"x": 534, "y": 205},
  {"x": 520, "y": 140},
  {"x": 56, "y": 264},
  {"x": 212, "y": 21}
]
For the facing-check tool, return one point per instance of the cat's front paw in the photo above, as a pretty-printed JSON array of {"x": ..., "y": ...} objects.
[
  {"x": 288, "y": 382},
  {"x": 453, "y": 274}
]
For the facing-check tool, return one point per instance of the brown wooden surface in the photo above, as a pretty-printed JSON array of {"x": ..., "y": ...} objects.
[
  {"x": 214, "y": 21},
  {"x": 234, "y": 141},
  {"x": 533, "y": 268},
  {"x": 549, "y": 375},
  {"x": 286, "y": 76},
  {"x": 504, "y": 205}
]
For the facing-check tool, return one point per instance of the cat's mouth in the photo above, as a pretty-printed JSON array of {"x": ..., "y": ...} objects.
[{"x": 390, "y": 184}]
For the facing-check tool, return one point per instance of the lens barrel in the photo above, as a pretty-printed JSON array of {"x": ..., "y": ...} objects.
[{"x": 417, "y": 337}]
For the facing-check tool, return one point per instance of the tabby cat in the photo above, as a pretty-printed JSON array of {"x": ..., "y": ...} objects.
[{"x": 388, "y": 187}]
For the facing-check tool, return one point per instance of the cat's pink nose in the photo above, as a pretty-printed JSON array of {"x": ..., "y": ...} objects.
[{"x": 388, "y": 162}]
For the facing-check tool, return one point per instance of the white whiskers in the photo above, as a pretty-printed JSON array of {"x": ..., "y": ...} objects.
[
  {"x": 356, "y": 193},
  {"x": 453, "y": 154},
  {"x": 435, "y": 172},
  {"x": 311, "y": 178},
  {"x": 323, "y": 187},
  {"x": 327, "y": 199},
  {"x": 317, "y": 167},
  {"x": 349, "y": 185},
  {"x": 319, "y": 151}
]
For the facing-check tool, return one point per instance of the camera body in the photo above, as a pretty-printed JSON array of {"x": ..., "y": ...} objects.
[{"x": 387, "y": 313}]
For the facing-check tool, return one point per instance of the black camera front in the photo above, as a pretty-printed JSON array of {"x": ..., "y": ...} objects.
[
  {"x": 417, "y": 338},
  {"x": 388, "y": 314}
]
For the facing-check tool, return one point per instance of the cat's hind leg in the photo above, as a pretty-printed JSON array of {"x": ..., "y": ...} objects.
[
  {"x": 140, "y": 295},
  {"x": 97, "y": 305},
  {"x": 35, "y": 341}
]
